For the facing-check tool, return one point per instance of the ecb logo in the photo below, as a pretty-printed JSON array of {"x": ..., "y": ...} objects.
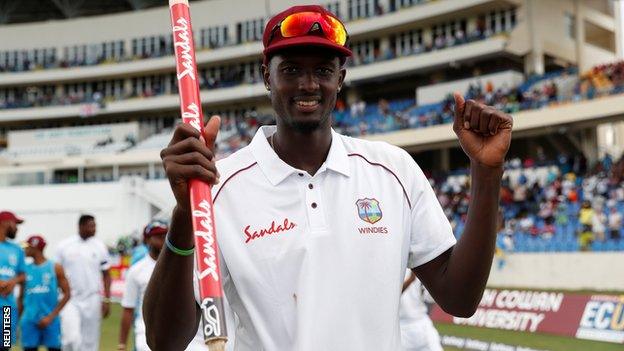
[
  {"x": 603, "y": 319},
  {"x": 369, "y": 210}
]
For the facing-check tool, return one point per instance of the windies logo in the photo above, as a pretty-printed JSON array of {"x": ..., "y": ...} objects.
[{"x": 369, "y": 210}]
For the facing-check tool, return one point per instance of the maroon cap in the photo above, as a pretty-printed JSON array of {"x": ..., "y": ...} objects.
[
  {"x": 279, "y": 43},
  {"x": 155, "y": 227},
  {"x": 10, "y": 216},
  {"x": 36, "y": 241}
]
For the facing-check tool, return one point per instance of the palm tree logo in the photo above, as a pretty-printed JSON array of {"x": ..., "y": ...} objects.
[{"x": 369, "y": 210}]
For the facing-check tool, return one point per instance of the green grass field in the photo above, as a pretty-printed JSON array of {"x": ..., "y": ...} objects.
[
  {"x": 537, "y": 341},
  {"x": 110, "y": 331},
  {"x": 110, "y": 334}
]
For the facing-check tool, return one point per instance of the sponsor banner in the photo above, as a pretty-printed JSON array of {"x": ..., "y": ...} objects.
[
  {"x": 603, "y": 319},
  {"x": 583, "y": 316},
  {"x": 480, "y": 345}
]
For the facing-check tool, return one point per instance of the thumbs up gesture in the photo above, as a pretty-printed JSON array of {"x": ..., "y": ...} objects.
[{"x": 484, "y": 132}]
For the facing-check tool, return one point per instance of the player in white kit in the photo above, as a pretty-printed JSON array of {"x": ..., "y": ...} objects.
[
  {"x": 316, "y": 229},
  {"x": 417, "y": 330},
  {"x": 136, "y": 279},
  {"x": 86, "y": 262}
]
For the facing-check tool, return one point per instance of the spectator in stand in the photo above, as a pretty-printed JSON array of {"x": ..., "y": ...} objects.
[
  {"x": 615, "y": 223},
  {"x": 521, "y": 193},
  {"x": 562, "y": 214},
  {"x": 549, "y": 230},
  {"x": 599, "y": 222},
  {"x": 586, "y": 219}
]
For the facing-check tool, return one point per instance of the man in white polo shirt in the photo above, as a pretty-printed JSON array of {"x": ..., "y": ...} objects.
[
  {"x": 136, "y": 280},
  {"x": 316, "y": 229},
  {"x": 417, "y": 331},
  {"x": 86, "y": 263}
]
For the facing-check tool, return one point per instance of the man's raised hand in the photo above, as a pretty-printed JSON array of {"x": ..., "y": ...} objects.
[
  {"x": 191, "y": 156},
  {"x": 484, "y": 132}
]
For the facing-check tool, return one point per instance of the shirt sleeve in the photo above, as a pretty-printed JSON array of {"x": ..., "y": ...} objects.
[
  {"x": 104, "y": 258},
  {"x": 21, "y": 262},
  {"x": 131, "y": 290},
  {"x": 430, "y": 231},
  {"x": 58, "y": 256}
]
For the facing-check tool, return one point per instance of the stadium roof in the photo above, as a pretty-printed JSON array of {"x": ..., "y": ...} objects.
[{"x": 20, "y": 11}]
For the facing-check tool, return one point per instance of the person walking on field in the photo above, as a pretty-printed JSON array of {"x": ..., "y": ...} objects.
[
  {"x": 86, "y": 262},
  {"x": 39, "y": 301},
  {"x": 137, "y": 277}
]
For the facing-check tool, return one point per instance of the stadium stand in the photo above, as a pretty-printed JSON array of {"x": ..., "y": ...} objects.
[
  {"x": 365, "y": 52},
  {"x": 361, "y": 118},
  {"x": 542, "y": 201}
]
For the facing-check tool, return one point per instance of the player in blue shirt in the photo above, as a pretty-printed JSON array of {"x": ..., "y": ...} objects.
[
  {"x": 12, "y": 266},
  {"x": 138, "y": 253},
  {"x": 39, "y": 302}
]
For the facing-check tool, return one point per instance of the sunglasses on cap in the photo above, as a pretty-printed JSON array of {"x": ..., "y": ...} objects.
[{"x": 303, "y": 23}]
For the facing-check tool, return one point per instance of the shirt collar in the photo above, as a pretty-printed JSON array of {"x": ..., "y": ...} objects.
[{"x": 277, "y": 170}]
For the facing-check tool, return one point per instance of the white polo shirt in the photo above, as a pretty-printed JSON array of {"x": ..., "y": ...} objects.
[
  {"x": 83, "y": 262},
  {"x": 317, "y": 262},
  {"x": 413, "y": 308},
  {"x": 136, "y": 281}
]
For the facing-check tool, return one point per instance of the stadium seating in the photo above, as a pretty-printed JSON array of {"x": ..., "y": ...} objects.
[
  {"x": 113, "y": 51},
  {"x": 528, "y": 221},
  {"x": 156, "y": 85}
]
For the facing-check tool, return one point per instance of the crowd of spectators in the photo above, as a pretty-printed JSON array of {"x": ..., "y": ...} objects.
[
  {"x": 438, "y": 42},
  {"x": 161, "y": 46},
  {"x": 38, "y": 96},
  {"x": 361, "y": 118},
  {"x": 549, "y": 206},
  {"x": 27, "y": 97},
  {"x": 92, "y": 55}
]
